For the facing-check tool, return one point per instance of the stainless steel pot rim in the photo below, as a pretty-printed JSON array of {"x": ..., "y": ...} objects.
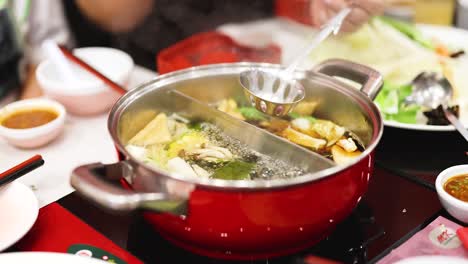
[{"x": 227, "y": 68}]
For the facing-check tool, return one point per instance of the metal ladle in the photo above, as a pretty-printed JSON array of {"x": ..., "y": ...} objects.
[
  {"x": 431, "y": 90},
  {"x": 276, "y": 93}
]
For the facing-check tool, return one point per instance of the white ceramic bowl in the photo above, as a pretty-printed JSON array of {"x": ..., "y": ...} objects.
[
  {"x": 455, "y": 207},
  {"x": 35, "y": 136},
  {"x": 88, "y": 95}
]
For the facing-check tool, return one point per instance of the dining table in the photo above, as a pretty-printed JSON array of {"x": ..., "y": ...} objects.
[{"x": 401, "y": 200}]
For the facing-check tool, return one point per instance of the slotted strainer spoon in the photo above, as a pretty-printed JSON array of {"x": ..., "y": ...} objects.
[{"x": 277, "y": 93}]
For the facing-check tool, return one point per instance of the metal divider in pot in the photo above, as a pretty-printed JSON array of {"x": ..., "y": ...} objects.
[{"x": 95, "y": 180}]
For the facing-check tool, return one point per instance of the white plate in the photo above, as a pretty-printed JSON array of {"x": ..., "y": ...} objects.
[
  {"x": 420, "y": 127},
  {"x": 289, "y": 35},
  {"x": 449, "y": 36},
  {"x": 433, "y": 260},
  {"x": 19, "y": 209},
  {"x": 46, "y": 258}
]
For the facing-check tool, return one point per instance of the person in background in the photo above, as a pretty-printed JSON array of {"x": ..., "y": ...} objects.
[
  {"x": 10, "y": 57},
  {"x": 323, "y": 10},
  {"x": 36, "y": 21},
  {"x": 145, "y": 27}
]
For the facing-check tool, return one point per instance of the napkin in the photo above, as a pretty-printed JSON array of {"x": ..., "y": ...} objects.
[{"x": 438, "y": 238}]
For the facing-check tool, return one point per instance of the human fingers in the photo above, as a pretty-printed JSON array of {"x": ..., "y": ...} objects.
[{"x": 353, "y": 21}]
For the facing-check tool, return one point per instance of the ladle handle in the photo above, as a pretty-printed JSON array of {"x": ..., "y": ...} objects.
[
  {"x": 371, "y": 81},
  {"x": 99, "y": 183}
]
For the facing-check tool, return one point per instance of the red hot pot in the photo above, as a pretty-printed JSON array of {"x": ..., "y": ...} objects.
[{"x": 240, "y": 219}]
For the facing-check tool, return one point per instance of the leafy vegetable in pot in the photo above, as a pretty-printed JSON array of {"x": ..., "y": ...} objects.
[
  {"x": 296, "y": 115},
  {"x": 187, "y": 142},
  {"x": 201, "y": 150},
  {"x": 156, "y": 155},
  {"x": 252, "y": 114},
  {"x": 234, "y": 170}
]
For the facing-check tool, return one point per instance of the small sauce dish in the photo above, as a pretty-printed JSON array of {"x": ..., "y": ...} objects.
[
  {"x": 32, "y": 123},
  {"x": 445, "y": 184}
]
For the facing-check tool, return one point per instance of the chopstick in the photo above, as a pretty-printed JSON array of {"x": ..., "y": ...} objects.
[
  {"x": 21, "y": 169},
  {"x": 116, "y": 87}
]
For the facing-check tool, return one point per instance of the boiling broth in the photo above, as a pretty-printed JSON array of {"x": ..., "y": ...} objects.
[{"x": 265, "y": 167}]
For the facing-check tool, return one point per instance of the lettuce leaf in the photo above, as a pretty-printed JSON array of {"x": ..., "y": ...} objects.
[
  {"x": 391, "y": 103},
  {"x": 252, "y": 114},
  {"x": 406, "y": 114},
  {"x": 380, "y": 45},
  {"x": 409, "y": 30}
]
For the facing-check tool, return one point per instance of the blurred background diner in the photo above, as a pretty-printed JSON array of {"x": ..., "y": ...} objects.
[{"x": 145, "y": 29}]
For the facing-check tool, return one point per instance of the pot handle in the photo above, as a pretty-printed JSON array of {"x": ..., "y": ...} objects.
[
  {"x": 370, "y": 79},
  {"x": 99, "y": 183}
]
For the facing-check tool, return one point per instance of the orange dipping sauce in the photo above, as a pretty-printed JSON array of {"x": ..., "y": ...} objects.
[
  {"x": 29, "y": 118},
  {"x": 457, "y": 187}
]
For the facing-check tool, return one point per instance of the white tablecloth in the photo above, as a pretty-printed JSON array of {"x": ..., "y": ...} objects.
[{"x": 85, "y": 140}]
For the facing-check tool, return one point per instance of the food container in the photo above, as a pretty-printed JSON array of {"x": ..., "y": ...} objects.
[
  {"x": 455, "y": 207},
  {"x": 240, "y": 219},
  {"x": 89, "y": 95},
  {"x": 36, "y": 136}
]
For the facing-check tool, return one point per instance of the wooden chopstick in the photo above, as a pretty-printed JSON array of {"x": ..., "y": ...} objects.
[
  {"x": 116, "y": 87},
  {"x": 21, "y": 169}
]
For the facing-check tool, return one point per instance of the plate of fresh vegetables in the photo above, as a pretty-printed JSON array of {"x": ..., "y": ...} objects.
[{"x": 399, "y": 50}]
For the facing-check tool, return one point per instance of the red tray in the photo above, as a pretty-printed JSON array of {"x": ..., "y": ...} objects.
[{"x": 210, "y": 48}]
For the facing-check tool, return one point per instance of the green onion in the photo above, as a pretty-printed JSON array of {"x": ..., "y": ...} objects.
[{"x": 251, "y": 113}]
